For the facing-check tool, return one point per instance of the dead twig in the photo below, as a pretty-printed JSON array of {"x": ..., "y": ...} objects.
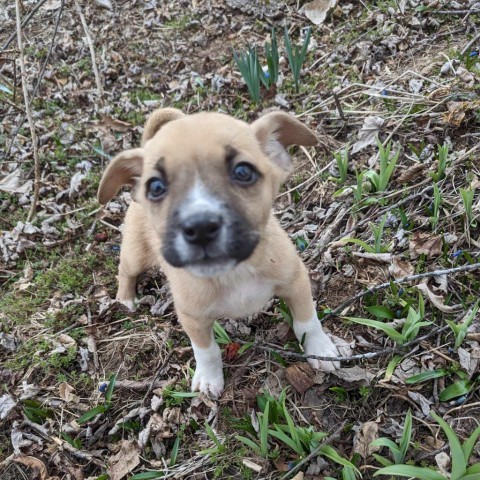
[
  {"x": 25, "y": 21},
  {"x": 409, "y": 278},
  {"x": 352, "y": 358},
  {"x": 39, "y": 80},
  {"x": 92, "y": 50},
  {"x": 36, "y": 189}
]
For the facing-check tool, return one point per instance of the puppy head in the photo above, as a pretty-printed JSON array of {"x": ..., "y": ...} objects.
[{"x": 207, "y": 183}]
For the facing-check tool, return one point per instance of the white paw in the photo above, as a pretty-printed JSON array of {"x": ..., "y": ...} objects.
[
  {"x": 316, "y": 342},
  {"x": 128, "y": 303},
  {"x": 323, "y": 347},
  {"x": 208, "y": 376},
  {"x": 209, "y": 382}
]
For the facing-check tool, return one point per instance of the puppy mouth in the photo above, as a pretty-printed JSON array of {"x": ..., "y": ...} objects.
[{"x": 211, "y": 267}]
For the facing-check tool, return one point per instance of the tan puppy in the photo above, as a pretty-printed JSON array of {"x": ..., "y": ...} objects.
[{"x": 203, "y": 189}]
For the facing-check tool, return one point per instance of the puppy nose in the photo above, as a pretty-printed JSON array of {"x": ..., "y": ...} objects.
[{"x": 202, "y": 229}]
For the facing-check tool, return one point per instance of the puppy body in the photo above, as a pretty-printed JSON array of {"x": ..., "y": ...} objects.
[{"x": 249, "y": 258}]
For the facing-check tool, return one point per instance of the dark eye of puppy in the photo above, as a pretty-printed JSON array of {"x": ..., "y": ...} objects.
[
  {"x": 244, "y": 173},
  {"x": 156, "y": 189}
]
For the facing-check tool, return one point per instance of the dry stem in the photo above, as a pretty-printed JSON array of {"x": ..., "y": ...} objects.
[{"x": 28, "y": 111}]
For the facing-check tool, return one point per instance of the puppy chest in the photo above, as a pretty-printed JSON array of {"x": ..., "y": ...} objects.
[{"x": 243, "y": 299}]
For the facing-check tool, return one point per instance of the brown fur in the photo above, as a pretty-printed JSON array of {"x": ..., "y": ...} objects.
[{"x": 189, "y": 147}]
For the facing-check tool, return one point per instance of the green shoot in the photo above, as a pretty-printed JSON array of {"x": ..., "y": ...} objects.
[
  {"x": 220, "y": 335},
  {"x": 410, "y": 329},
  {"x": 460, "y": 455},
  {"x": 399, "y": 451},
  {"x": 358, "y": 190},
  {"x": 99, "y": 409},
  {"x": 460, "y": 330},
  {"x": 271, "y": 54},
  {"x": 467, "y": 198},
  {"x": 437, "y": 201},
  {"x": 249, "y": 66},
  {"x": 380, "y": 180},
  {"x": 442, "y": 155},
  {"x": 296, "y": 56},
  {"x": 341, "y": 158},
  {"x": 377, "y": 235}
]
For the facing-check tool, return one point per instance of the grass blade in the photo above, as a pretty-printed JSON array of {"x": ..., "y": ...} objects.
[
  {"x": 411, "y": 472},
  {"x": 459, "y": 465},
  {"x": 390, "y": 331},
  {"x": 425, "y": 376}
]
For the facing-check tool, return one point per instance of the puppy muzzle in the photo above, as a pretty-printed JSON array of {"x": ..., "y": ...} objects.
[{"x": 209, "y": 243}]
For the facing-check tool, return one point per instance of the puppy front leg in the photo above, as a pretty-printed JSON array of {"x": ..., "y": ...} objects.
[
  {"x": 208, "y": 376},
  {"x": 306, "y": 325}
]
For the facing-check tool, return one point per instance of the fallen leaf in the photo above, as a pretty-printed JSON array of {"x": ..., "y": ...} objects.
[
  {"x": 465, "y": 76},
  {"x": 251, "y": 465},
  {"x": 355, "y": 374},
  {"x": 425, "y": 243},
  {"x": 300, "y": 376},
  {"x": 231, "y": 351},
  {"x": 12, "y": 183},
  {"x": 124, "y": 461},
  {"x": 317, "y": 10},
  {"x": 7, "y": 404},
  {"x": 51, "y": 5},
  {"x": 364, "y": 437},
  {"x": 33, "y": 463},
  {"x": 67, "y": 393},
  {"x": 114, "y": 124},
  {"x": 400, "y": 268},
  {"x": 368, "y": 133},
  {"x": 376, "y": 257},
  {"x": 411, "y": 173},
  {"x": 421, "y": 401},
  {"x": 443, "y": 463},
  {"x": 469, "y": 360},
  {"x": 436, "y": 300}
]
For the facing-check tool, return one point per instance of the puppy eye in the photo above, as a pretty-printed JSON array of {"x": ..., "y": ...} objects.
[
  {"x": 244, "y": 173},
  {"x": 156, "y": 189}
]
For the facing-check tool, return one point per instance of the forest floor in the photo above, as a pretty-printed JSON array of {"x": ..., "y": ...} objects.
[{"x": 89, "y": 390}]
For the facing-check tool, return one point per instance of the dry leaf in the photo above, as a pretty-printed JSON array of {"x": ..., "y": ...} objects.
[
  {"x": 12, "y": 183},
  {"x": 436, "y": 300},
  {"x": 425, "y": 243},
  {"x": 317, "y": 10},
  {"x": 252, "y": 466},
  {"x": 300, "y": 376},
  {"x": 411, "y": 173},
  {"x": 443, "y": 463},
  {"x": 7, "y": 404},
  {"x": 124, "y": 461},
  {"x": 363, "y": 438},
  {"x": 355, "y": 374},
  {"x": 376, "y": 257},
  {"x": 67, "y": 393},
  {"x": 114, "y": 124},
  {"x": 368, "y": 133},
  {"x": 34, "y": 464},
  {"x": 469, "y": 360},
  {"x": 421, "y": 401},
  {"x": 400, "y": 268},
  {"x": 51, "y": 5}
]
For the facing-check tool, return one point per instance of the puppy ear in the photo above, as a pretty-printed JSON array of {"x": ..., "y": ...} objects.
[
  {"x": 124, "y": 169},
  {"x": 278, "y": 130},
  {"x": 157, "y": 119}
]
